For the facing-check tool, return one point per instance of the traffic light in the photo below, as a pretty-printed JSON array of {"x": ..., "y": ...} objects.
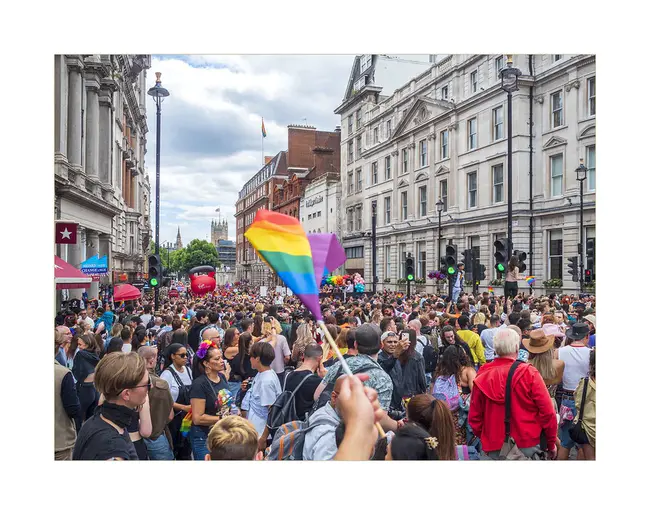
[
  {"x": 591, "y": 258},
  {"x": 155, "y": 271},
  {"x": 468, "y": 259},
  {"x": 410, "y": 270},
  {"x": 521, "y": 257},
  {"x": 573, "y": 268},
  {"x": 501, "y": 255},
  {"x": 588, "y": 275},
  {"x": 479, "y": 271},
  {"x": 449, "y": 261}
]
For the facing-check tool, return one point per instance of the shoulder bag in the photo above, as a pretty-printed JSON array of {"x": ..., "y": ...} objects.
[
  {"x": 577, "y": 431},
  {"x": 509, "y": 450}
]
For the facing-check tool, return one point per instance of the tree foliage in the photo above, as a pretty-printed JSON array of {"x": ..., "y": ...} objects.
[{"x": 197, "y": 253}]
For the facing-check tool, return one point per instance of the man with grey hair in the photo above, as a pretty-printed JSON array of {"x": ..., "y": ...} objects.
[
  {"x": 416, "y": 326},
  {"x": 531, "y": 410}
]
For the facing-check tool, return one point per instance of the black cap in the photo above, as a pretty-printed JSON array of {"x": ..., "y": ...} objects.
[{"x": 578, "y": 331}]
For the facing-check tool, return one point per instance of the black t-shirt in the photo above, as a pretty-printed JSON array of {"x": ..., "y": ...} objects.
[
  {"x": 305, "y": 396},
  {"x": 236, "y": 371},
  {"x": 204, "y": 388},
  {"x": 333, "y": 360},
  {"x": 98, "y": 440}
]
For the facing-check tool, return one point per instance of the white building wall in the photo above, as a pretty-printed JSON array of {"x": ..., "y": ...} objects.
[{"x": 488, "y": 217}]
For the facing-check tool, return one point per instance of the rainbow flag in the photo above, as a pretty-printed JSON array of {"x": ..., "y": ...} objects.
[
  {"x": 490, "y": 289},
  {"x": 263, "y": 129},
  {"x": 186, "y": 424},
  {"x": 530, "y": 280},
  {"x": 282, "y": 243}
]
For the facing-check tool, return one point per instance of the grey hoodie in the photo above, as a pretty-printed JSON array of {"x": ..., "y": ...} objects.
[{"x": 320, "y": 442}]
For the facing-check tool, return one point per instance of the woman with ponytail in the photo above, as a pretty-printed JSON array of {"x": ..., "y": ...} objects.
[{"x": 412, "y": 443}]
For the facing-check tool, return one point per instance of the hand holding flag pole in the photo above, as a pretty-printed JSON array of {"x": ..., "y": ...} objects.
[{"x": 282, "y": 243}]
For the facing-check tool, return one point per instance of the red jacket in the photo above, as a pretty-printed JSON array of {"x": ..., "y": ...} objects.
[{"x": 531, "y": 411}]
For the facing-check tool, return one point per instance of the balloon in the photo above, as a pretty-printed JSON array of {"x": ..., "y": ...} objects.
[{"x": 202, "y": 284}]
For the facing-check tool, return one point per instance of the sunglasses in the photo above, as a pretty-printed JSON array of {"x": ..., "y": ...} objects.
[
  {"x": 184, "y": 355},
  {"x": 147, "y": 386}
]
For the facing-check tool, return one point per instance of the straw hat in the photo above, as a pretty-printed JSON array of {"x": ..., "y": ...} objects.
[{"x": 538, "y": 342}]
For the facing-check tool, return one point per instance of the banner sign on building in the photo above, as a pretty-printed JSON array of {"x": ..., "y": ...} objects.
[{"x": 95, "y": 266}]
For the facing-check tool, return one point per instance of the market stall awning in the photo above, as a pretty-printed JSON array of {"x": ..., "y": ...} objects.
[
  {"x": 124, "y": 292},
  {"x": 67, "y": 277}
]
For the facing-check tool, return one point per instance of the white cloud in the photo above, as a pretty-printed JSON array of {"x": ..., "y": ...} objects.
[{"x": 211, "y": 126}]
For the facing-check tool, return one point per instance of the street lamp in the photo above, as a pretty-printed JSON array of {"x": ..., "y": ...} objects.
[
  {"x": 509, "y": 79},
  {"x": 581, "y": 174},
  {"x": 374, "y": 247},
  {"x": 159, "y": 94},
  {"x": 439, "y": 206}
]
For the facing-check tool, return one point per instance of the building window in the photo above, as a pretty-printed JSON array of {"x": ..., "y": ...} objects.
[
  {"x": 387, "y": 168},
  {"x": 473, "y": 81},
  {"x": 421, "y": 272},
  {"x": 354, "y": 252},
  {"x": 471, "y": 134},
  {"x": 402, "y": 259},
  {"x": 350, "y": 152},
  {"x": 359, "y": 180},
  {"x": 387, "y": 210},
  {"x": 444, "y": 144},
  {"x": 443, "y": 194},
  {"x": 375, "y": 135},
  {"x": 308, "y": 217},
  {"x": 405, "y": 160},
  {"x": 423, "y": 200},
  {"x": 556, "y": 175},
  {"x": 389, "y": 130},
  {"x": 497, "y": 123},
  {"x": 555, "y": 254},
  {"x": 497, "y": 184},
  {"x": 404, "y": 196},
  {"x": 556, "y": 109},
  {"x": 358, "y": 119},
  {"x": 350, "y": 183},
  {"x": 423, "y": 152},
  {"x": 444, "y": 92},
  {"x": 591, "y": 165},
  {"x": 471, "y": 189},
  {"x": 498, "y": 66},
  {"x": 358, "y": 147},
  {"x": 375, "y": 172},
  {"x": 366, "y": 61},
  {"x": 557, "y": 57},
  {"x": 350, "y": 125},
  {"x": 475, "y": 245},
  {"x": 591, "y": 95},
  {"x": 350, "y": 220},
  {"x": 387, "y": 267},
  {"x": 359, "y": 213}
]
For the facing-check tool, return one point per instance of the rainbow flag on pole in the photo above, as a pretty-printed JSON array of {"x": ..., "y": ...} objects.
[
  {"x": 530, "y": 280},
  {"x": 282, "y": 243},
  {"x": 490, "y": 289},
  {"x": 263, "y": 129}
]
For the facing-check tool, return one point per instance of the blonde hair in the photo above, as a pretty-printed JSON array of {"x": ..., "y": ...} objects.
[
  {"x": 479, "y": 318},
  {"x": 543, "y": 362},
  {"x": 232, "y": 438},
  {"x": 117, "y": 371},
  {"x": 59, "y": 339},
  {"x": 117, "y": 329}
]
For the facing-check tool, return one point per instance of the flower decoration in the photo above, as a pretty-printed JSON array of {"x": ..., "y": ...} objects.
[
  {"x": 432, "y": 442},
  {"x": 437, "y": 275},
  {"x": 203, "y": 348}
]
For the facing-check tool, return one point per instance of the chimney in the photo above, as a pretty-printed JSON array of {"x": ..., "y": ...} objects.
[{"x": 267, "y": 159}]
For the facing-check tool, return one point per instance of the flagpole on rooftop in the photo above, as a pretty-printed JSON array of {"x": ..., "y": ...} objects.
[{"x": 263, "y": 141}]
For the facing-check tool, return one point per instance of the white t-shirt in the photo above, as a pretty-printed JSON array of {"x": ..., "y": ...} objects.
[
  {"x": 266, "y": 389},
  {"x": 281, "y": 351},
  {"x": 184, "y": 376},
  {"x": 145, "y": 319},
  {"x": 576, "y": 365}
]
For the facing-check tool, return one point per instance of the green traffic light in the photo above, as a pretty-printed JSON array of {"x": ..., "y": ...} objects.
[
  {"x": 410, "y": 277},
  {"x": 500, "y": 267},
  {"x": 153, "y": 282},
  {"x": 451, "y": 270}
]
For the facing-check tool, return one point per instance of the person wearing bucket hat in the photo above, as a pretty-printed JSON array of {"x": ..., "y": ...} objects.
[
  {"x": 576, "y": 366},
  {"x": 541, "y": 347}
]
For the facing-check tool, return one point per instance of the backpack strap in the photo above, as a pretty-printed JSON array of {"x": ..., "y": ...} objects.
[
  {"x": 511, "y": 373},
  {"x": 585, "y": 385}
]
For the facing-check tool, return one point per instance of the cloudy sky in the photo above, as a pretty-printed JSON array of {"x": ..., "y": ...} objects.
[{"x": 211, "y": 140}]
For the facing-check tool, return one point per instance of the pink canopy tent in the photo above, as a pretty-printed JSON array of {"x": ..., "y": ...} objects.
[
  {"x": 67, "y": 277},
  {"x": 124, "y": 292}
]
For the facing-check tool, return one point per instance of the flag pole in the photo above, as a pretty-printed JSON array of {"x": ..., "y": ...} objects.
[{"x": 262, "y": 142}]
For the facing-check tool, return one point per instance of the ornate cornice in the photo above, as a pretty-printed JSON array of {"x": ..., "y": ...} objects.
[
  {"x": 571, "y": 85},
  {"x": 74, "y": 62},
  {"x": 431, "y": 136},
  {"x": 539, "y": 99}
]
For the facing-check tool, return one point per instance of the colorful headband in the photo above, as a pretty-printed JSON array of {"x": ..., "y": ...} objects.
[{"x": 203, "y": 348}]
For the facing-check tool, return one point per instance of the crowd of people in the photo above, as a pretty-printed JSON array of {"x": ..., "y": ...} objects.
[{"x": 237, "y": 376}]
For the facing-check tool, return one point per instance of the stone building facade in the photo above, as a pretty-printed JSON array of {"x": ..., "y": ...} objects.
[
  {"x": 99, "y": 147},
  {"x": 442, "y": 136}
]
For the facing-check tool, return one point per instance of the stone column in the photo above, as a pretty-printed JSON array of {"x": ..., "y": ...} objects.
[
  {"x": 94, "y": 70},
  {"x": 75, "y": 99},
  {"x": 60, "y": 115},
  {"x": 106, "y": 137},
  {"x": 92, "y": 249}
]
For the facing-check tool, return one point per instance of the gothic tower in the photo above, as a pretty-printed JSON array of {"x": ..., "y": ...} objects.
[
  {"x": 179, "y": 243},
  {"x": 218, "y": 231}
]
